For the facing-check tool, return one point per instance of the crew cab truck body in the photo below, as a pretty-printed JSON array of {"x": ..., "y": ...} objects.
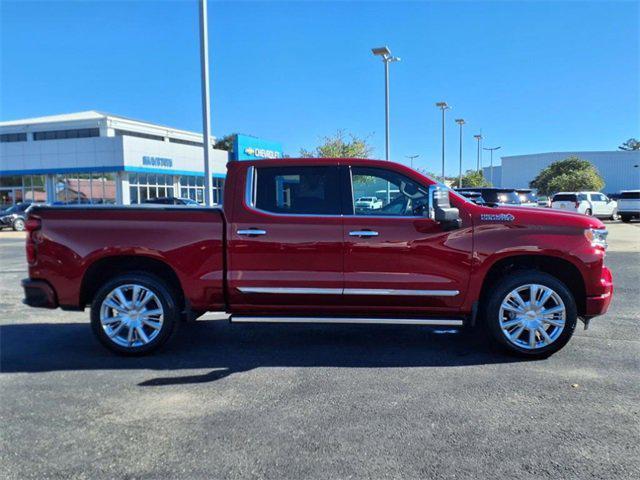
[{"x": 290, "y": 247}]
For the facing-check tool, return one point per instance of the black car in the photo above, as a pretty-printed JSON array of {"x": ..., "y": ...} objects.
[
  {"x": 475, "y": 197},
  {"x": 14, "y": 217},
  {"x": 494, "y": 197}
]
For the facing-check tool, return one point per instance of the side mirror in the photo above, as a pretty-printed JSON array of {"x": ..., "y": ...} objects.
[{"x": 441, "y": 210}]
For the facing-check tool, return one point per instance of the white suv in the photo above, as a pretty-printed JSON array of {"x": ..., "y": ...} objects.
[
  {"x": 629, "y": 205},
  {"x": 368, "y": 203},
  {"x": 588, "y": 203}
]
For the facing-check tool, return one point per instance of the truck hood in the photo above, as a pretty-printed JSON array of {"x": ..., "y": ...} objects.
[{"x": 537, "y": 216}]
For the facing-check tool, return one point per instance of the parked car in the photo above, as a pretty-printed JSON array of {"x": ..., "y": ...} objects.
[
  {"x": 544, "y": 201},
  {"x": 588, "y": 203},
  {"x": 494, "y": 197},
  {"x": 172, "y": 201},
  {"x": 14, "y": 217},
  {"x": 368, "y": 203},
  {"x": 475, "y": 197},
  {"x": 527, "y": 197},
  {"x": 629, "y": 205},
  {"x": 289, "y": 247}
]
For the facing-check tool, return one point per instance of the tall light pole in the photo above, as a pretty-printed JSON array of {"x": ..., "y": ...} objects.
[
  {"x": 442, "y": 106},
  {"x": 478, "y": 138},
  {"x": 412, "y": 158},
  {"x": 206, "y": 118},
  {"x": 387, "y": 58},
  {"x": 491, "y": 172},
  {"x": 461, "y": 122}
]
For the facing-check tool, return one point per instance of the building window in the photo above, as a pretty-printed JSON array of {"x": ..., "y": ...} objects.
[
  {"x": 129, "y": 133},
  {"x": 64, "y": 134},
  {"x": 13, "y": 137},
  {"x": 89, "y": 188},
  {"x": 217, "y": 187},
  {"x": 27, "y": 188},
  {"x": 186, "y": 142},
  {"x": 143, "y": 186}
]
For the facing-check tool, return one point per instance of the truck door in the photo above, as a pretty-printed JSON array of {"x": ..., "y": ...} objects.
[
  {"x": 285, "y": 240},
  {"x": 396, "y": 258}
]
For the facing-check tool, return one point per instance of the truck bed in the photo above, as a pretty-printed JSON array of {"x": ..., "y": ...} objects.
[{"x": 76, "y": 244}]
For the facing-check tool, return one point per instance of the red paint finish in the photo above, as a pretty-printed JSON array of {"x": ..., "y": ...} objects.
[{"x": 315, "y": 252}]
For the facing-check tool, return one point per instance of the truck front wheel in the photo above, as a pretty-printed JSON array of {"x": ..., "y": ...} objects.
[
  {"x": 134, "y": 314},
  {"x": 530, "y": 314}
]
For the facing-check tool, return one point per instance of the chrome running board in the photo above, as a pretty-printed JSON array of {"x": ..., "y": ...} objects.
[{"x": 451, "y": 322}]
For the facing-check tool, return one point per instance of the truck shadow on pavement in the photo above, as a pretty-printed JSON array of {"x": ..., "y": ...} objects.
[{"x": 226, "y": 349}]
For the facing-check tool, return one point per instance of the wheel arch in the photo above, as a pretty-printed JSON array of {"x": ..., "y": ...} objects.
[
  {"x": 561, "y": 268},
  {"x": 106, "y": 268}
]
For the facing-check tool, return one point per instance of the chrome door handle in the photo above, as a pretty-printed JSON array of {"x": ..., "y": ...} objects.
[
  {"x": 251, "y": 232},
  {"x": 363, "y": 233}
]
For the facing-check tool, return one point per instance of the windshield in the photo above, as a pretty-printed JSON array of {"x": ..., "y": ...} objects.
[
  {"x": 509, "y": 197},
  {"x": 565, "y": 197},
  {"x": 527, "y": 197}
]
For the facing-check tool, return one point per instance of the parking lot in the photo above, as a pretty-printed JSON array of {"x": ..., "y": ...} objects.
[{"x": 293, "y": 401}]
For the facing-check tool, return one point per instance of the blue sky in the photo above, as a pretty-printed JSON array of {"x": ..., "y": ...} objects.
[{"x": 535, "y": 76}]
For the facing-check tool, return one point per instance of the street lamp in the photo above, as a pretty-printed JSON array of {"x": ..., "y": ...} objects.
[
  {"x": 206, "y": 117},
  {"x": 442, "y": 106},
  {"x": 461, "y": 122},
  {"x": 479, "y": 139},
  {"x": 491, "y": 172},
  {"x": 412, "y": 157},
  {"x": 387, "y": 58}
]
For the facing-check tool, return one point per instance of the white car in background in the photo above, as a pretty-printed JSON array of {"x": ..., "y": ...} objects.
[
  {"x": 368, "y": 203},
  {"x": 629, "y": 205},
  {"x": 587, "y": 203}
]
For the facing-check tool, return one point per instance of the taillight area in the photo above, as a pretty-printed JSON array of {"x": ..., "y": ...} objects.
[
  {"x": 577, "y": 204},
  {"x": 33, "y": 226}
]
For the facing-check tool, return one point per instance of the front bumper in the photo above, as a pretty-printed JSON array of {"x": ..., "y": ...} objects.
[
  {"x": 39, "y": 294},
  {"x": 599, "y": 304}
]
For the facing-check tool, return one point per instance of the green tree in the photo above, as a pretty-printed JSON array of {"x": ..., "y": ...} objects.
[
  {"x": 472, "y": 178},
  {"x": 225, "y": 143},
  {"x": 340, "y": 145},
  {"x": 631, "y": 144},
  {"x": 571, "y": 174}
]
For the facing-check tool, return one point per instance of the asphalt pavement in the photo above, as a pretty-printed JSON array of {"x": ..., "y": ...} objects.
[{"x": 296, "y": 402}]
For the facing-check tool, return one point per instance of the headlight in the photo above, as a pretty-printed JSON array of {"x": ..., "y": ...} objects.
[{"x": 597, "y": 237}]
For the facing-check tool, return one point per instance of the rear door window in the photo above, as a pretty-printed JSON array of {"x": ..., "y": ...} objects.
[
  {"x": 565, "y": 197},
  {"x": 630, "y": 196},
  {"x": 304, "y": 190}
]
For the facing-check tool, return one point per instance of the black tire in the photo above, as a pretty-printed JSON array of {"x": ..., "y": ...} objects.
[
  {"x": 614, "y": 215},
  {"x": 167, "y": 297},
  {"x": 588, "y": 212},
  {"x": 625, "y": 218},
  {"x": 507, "y": 284},
  {"x": 18, "y": 225}
]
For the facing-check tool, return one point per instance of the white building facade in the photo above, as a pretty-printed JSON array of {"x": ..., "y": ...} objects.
[
  {"x": 94, "y": 157},
  {"x": 619, "y": 169}
]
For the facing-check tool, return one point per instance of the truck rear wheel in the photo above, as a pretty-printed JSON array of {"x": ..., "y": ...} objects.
[
  {"x": 134, "y": 314},
  {"x": 530, "y": 314}
]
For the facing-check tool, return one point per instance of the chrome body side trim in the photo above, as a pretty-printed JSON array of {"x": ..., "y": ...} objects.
[
  {"x": 349, "y": 291},
  {"x": 289, "y": 291},
  {"x": 391, "y": 291},
  {"x": 349, "y": 320}
]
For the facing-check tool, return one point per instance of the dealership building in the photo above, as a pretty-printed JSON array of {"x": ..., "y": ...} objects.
[
  {"x": 94, "y": 157},
  {"x": 619, "y": 169}
]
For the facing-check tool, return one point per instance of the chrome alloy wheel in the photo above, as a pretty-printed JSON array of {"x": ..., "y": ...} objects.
[
  {"x": 532, "y": 316},
  {"x": 131, "y": 315}
]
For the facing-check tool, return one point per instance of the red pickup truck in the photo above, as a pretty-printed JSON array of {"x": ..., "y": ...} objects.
[{"x": 290, "y": 245}]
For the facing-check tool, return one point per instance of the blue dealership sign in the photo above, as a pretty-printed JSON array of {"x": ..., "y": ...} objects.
[{"x": 246, "y": 147}]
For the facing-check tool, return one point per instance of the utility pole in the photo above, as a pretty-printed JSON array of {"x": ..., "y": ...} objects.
[
  {"x": 412, "y": 157},
  {"x": 387, "y": 58},
  {"x": 478, "y": 138},
  {"x": 206, "y": 116},
  {"x": 443, "y": 107},
  {"x": 461, "y": 122},
  {"x": 492, "y": 149}
]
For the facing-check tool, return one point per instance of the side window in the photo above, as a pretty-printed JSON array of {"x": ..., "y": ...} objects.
[
  {"x": 377, "y": 191},
  {"x": 582, "y": 197},
  {"x": 597, "y": 197},
  {"x": 297, "y": 190}
]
